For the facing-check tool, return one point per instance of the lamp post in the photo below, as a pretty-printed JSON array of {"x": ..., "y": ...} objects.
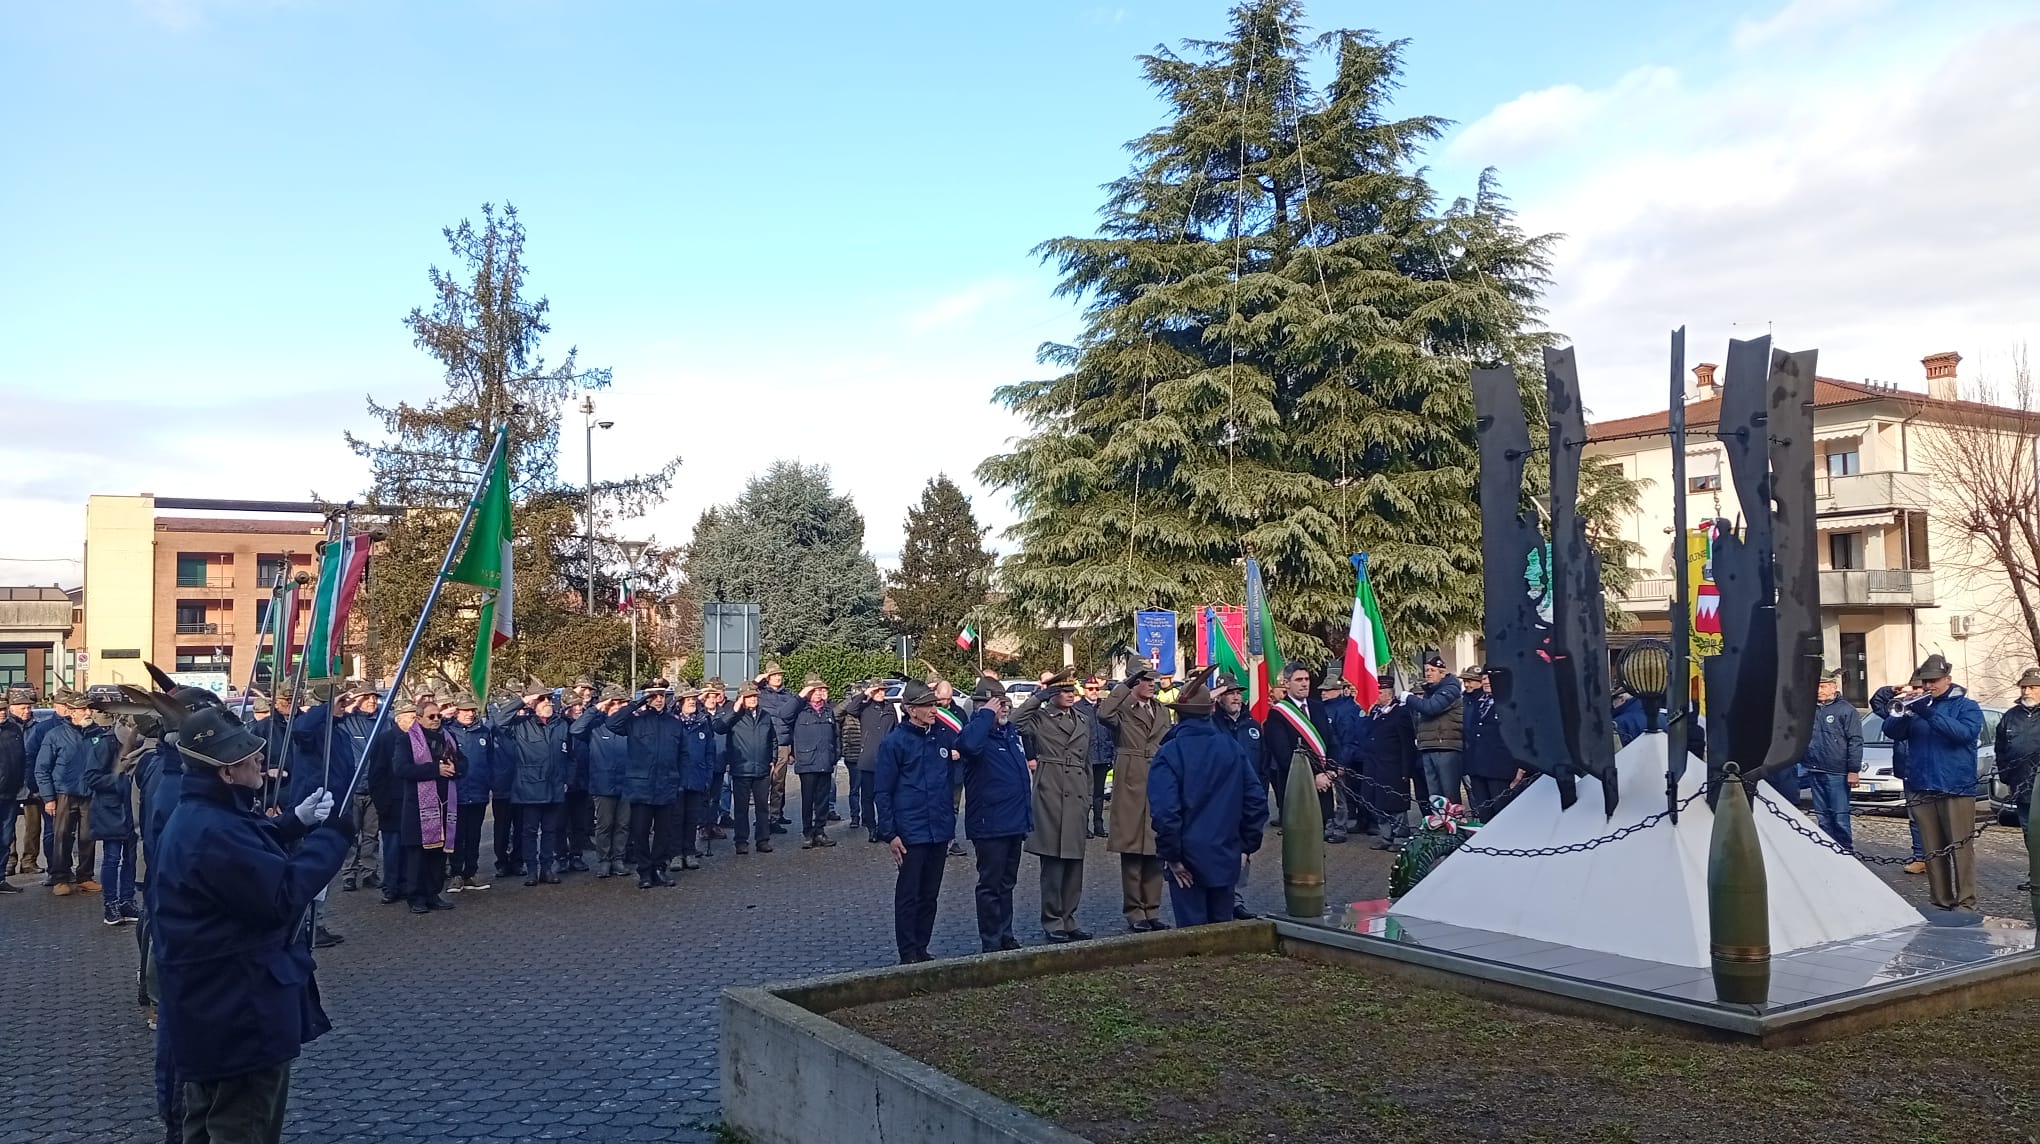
[
  {"x": 588, "y": 416},
  {"x": 632, "y": 549}
]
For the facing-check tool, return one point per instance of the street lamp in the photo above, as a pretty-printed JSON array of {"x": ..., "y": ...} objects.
[
  {"x": 632, "y": 549},
  {"x": 588, "y": 414}
]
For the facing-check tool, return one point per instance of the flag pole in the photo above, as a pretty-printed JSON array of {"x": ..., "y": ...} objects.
[
  {"x": 460, "y": 531},
  {"x": 261, "y": 631},
  {"x": 331, "y": 645}
]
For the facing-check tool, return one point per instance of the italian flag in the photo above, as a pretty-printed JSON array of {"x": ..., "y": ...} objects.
[
  {"x": 1265, "y": 658},
  {"x": 341, "y": 565},
  {"x": 1366, "y": 640},
  {"x": 967, "y": 638},
  {"x": 1230, "y": 657},
  {"x": 486, "y": 564}
]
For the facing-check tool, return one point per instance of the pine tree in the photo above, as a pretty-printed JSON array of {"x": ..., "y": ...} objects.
[
  {"x": 1279, "y": 328},
  {"x": 790, "y": 544},
  {"x": 942, "y": 576},
  {"x": 486, "y": 334}
]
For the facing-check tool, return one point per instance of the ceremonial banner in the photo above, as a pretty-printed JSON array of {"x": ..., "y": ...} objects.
[
  {"x": 1215, "y": 620},
  {"x": 1154, "y": 639},
  {"x": 1265, "y": 659},
  {"x": 486, "y": 564},
  {"x": 340, "y": 569}
]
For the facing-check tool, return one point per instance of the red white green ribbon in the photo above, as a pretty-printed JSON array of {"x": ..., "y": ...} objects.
[{"x": 1296, "y": 717}]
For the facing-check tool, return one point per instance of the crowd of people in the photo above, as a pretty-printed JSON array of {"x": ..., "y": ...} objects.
[{"x": 595, "y": 779}]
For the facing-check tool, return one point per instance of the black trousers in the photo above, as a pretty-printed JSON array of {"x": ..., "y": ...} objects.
[
  {"x": 651, "y": 836},
  {"x": 244, "y": 1109},
  {"x": 814, "y": 803},
  {"x": 998, "y": 870},
  {"x": 467, "y": 840},
  {"x": 914, "y": 895},
  {"x": 752, "y": 795},
  {"x": 692, "y": 816},
  {"x": 1486, "y": 795},
  {"x": 1098, "y": 774},
  {"x": 867, "y": 798},
  {"x": 578, "y": 830},
  {"x": 424, "y": 871},
  {"x": 509, "y": 856}
]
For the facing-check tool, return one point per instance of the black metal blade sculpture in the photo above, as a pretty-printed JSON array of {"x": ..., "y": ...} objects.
[
  {"x": 1764, "y": 680},
  {"x": 1579, "y": 626},
  {"x": 1679, "y": 698},
  {"x": 1519, "y": 668}
]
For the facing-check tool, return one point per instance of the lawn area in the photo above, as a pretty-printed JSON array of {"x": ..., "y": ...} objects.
[{"x": 1259, "y": 1049}]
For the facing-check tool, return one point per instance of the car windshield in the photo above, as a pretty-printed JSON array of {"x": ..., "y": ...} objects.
[{"x": 1873, "y": 730}]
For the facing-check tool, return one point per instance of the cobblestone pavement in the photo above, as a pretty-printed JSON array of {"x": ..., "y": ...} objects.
[{"x": 580, "y": 1011}]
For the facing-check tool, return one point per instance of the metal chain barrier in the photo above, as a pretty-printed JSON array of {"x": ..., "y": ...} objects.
[
  {"x": 1817, "y": 836},
  {"x": 1580, "y": 847}
]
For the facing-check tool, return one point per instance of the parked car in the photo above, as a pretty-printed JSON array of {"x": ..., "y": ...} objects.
[
  {"x": 1018, "y": 690},
  {"x": 1879, "y": 789}
]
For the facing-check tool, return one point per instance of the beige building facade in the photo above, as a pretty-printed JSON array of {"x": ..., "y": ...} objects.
[
  {"x": 1897, "y": 582},
  {"x": 188, "y": 593}
]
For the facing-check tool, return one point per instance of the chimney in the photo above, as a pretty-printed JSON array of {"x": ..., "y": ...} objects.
[
  {"x": 1941, "y": 375},
  {"x": 1703, "y": 377}
]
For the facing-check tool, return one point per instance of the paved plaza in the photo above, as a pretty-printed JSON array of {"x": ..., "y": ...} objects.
[{"x": 581, "y": 1011}]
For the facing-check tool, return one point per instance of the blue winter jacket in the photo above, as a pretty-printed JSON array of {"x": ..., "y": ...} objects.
[
  {"x": 307, "y": 764},
  {"x": 608, "y": 758},
  {"x": 1244, "y": 729},
  {"x": 66, "y": 754},
  {"x": 698, "y": 755},
  {"x": 813, "y": 735},
  {"x": 998, "y": 799},
  {"x": 112, "y": 815},
  {"x": 478, "y": 749},
  {"x": 1486, "y": 757},
  {"x": 779, "y": 705},
  {"x": 580, "y": 730},
  {"x": 911, "y": 785},
  {"x": 1837, "y": 744},
  {"x": 535, "y": 754},
  {"x": 1629, "y": 720},
  {"x": 1341, "y": 726},
  {"x": 652, "y": 774},
  {"x": 1104, "y": 748},
  {"x": 1207, "y": 802},
  {"x": 227, "y": 891},
  {"x": 751, "y": 739},
  {"x": 161, "y": 775},
  {"x": 1941, "y": 737}
]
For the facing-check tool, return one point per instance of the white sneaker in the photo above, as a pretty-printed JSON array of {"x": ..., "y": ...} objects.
[{"x": 471, "y": 884}]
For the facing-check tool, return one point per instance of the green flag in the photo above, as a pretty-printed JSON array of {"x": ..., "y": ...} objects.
[{"x": 485, "y": 563}]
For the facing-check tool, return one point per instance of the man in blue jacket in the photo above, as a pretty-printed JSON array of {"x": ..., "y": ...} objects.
[
  {"x": 1232, "y": 719},
  {"x": 998, "y": 810},
  {"x": 1491, "y": 771},
  {"x": 531, "y": 741},
  {"x": 1834, "y": 758},
  {"x": 1209, "y": 806},
  {"x": 780, "y": 705},
  {"x": 651, "y": 781},
  {"x": 478, "y": 749},
  {"x": 1103, "y": 747},
  {"x": 228, "y": 890},
  {"x": 60, "y": 766},
  {"x": 812, "y": 733},
  {"x": 608, "y": 759},
  {"x": 751, "y": 742},
  {"x": 1940, "y": 729},
  {"x": 916, "y": 816}
]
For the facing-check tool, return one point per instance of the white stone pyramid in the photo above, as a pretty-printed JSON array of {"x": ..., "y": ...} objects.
[{"x": 1645, "y": 896}]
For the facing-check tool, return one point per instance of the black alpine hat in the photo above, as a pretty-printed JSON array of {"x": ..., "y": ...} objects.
[
  {"x": 914, "y": 693},
  {"x": 1195, "y": 699},
  {"x": 214, "y": 737},
  {"x": 1936, "y": 667},
  {"x": 988, "y": 688}
]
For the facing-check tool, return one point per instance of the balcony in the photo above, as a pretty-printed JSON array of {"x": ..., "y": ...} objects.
[
  {"x": 213, "y": 582},
  {"x": 1654, "y": 592},
  {"x": 191, "y": 629},
  {"x": 1872, "y": 492},
  {"x": 1876, "y": 588}
]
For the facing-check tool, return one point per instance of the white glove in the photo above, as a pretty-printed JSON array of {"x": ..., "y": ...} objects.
[{"x": 314, "y": 809}]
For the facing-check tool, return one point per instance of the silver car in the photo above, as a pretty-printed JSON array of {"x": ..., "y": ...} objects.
[{"x": 1879, "y": 789}]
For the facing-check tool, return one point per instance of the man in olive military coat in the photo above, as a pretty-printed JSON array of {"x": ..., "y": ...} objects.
[
  {"x": 1137, "y": 723},
  {"x": 1061, "y": 737}
]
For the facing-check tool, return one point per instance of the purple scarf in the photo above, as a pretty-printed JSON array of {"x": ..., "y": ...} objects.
[{"x": 435, "y": 815}]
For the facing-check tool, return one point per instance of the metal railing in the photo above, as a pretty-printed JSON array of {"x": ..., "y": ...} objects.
[
  {"x": 1867, "y": 492},
  {"x": 209, "y": 582},
  {"x": 1876, "y": 587},
  {"x": 208, "y": 629}
]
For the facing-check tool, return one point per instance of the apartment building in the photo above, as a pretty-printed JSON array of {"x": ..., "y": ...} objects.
[
  {"x": 189, "y": 593},
  {"x": 1896, "y": 583}
]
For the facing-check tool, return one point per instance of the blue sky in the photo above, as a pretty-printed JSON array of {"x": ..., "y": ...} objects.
[{"x": 802, "y": 229}]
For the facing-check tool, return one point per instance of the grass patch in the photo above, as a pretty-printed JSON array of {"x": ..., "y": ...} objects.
[{"x": 1259, "y": 1049}]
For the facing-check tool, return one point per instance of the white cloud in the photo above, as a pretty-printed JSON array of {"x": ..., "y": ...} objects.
[
  {"x": 1554, "y": 116},
  {"x": 1877, "y": 214},
  {"x": 1799, "y": 17}
]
